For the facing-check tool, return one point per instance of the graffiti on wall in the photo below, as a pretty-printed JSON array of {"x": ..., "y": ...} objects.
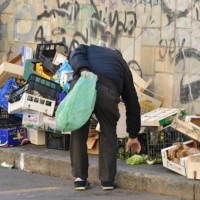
[
  {"x": 73, "y": 23},
  {"x": 3, "y": 6}
]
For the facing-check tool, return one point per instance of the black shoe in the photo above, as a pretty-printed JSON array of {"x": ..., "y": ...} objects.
[
  {"x": 81, "y": 184},
  {"x": 107, "y": 185}
]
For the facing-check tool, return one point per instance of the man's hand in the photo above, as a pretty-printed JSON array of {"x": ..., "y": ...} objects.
[
  {"x": 85, "y": 73},
  {"x": 134, "y": 145}
]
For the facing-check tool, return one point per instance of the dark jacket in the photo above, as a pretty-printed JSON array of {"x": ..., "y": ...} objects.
[{"x": 112, "y": 71}]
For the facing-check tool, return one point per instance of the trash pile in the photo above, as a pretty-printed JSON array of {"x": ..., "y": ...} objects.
[{"x": 32, "y": 85}]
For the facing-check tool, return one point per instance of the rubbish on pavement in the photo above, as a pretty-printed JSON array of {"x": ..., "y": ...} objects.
[{"x": 6, "y": 165}]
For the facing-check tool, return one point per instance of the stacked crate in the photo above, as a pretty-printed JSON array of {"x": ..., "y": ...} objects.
[{"x": 37, "y": 96}]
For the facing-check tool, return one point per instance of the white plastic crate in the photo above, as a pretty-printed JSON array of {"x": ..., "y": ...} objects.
[{"x": 32, "y": 102}]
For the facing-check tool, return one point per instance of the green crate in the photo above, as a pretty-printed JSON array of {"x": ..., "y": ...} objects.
[{"x": 29, "y": 68}]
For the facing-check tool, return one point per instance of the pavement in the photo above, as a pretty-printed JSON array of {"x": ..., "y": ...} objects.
[{"x": 149, "y": 178}]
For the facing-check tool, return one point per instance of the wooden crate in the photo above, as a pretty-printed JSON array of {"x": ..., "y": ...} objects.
[
  {"x": 160, "y": 116},
  {"x": 9, "y": 70},
  {"x": 148, "y": 100},
  {"x": 185, "y": 128},
  {"x": 194, "y": 167}
]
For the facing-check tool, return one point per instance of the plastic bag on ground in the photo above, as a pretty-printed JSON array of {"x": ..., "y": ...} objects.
[{"x": 77, "y": 107}]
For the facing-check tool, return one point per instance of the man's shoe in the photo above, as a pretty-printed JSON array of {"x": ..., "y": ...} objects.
[
  {"x": 107, "y": 185},
  {"x": 81, "y": 184}
]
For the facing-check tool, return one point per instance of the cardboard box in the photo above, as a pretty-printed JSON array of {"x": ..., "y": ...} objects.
[
  {"x": 194, "y": 167},
  {"x": 49, "y": 124},
  {"x": 59, "y": 58},
  {"x": 138, "y": 81},
  {"x": 13, "y": 137},
  {"x": 148, "y": 103},
  {"x": 93, "y": 144},
  {"x": 39, "y": 121},
  {"x": 8, "y": 70},
  {"x": 181, "y": 168},
  {"x": 36, "y": 137},
  {"x": 17, "y": 60},
  {"x": 27, "y": 53}
]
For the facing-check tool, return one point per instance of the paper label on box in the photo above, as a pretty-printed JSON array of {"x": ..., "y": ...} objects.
[
  {"x": 31, "y": 117},
  {"x": 50, "y": 123}
]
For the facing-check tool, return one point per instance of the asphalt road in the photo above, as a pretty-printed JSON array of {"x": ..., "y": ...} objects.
[{"x": 21, "y": 185}]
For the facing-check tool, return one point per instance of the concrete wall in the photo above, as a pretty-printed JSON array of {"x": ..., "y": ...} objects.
[{"x": 158, "y": 38}]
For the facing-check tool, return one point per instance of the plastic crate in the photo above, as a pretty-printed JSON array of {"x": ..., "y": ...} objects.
[
  {"x": 121, "y": 146},
  {"x": 46, "y": 88},
  {"x": 32, "y": 102},
  {"x": 57, "y": 141},
  {"x": 9, "y": 120},
  {"x": 158, "y": 140},
  {"x": 45, "y": 54},
  {"x": 33, "y": 65}
]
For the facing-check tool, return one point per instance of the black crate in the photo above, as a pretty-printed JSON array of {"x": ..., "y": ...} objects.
[
  {"x": 9, "y": 120},
  {"x": 57, "y": 141},
  {"x": 48, "y": 63},
  {"x": 47, "y": 88},
  {"x": 158, "y": 140},
  {"x": 45, "y": 54}
]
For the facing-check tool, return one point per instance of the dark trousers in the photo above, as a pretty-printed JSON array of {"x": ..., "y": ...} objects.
[{"x": 107, "y": 113}]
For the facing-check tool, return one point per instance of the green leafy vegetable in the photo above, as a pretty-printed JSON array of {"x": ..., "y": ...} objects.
[{"x": 137, "y": 159}]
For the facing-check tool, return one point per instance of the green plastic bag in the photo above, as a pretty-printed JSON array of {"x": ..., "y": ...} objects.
[{"x": 77, "y": 107}]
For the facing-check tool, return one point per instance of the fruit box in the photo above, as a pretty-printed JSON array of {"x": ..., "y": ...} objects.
[
  {"x": 161, "y": 116},
  {"x": 194, "y": 167},
  {"x": 181, "y": 168},
  {"x": 59, "y": 58},
  {"x": 39, "y": 121},
  {"x": 8, "y": 70},
  {"x": 193, "y": 120},
  {"x": 36, "y": 137},
  {"x": 13, "y": 137},
  {"x": 186, "y": 128}
]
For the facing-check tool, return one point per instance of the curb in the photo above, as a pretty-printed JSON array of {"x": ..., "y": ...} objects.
[{"x": 128, "y": 177}]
